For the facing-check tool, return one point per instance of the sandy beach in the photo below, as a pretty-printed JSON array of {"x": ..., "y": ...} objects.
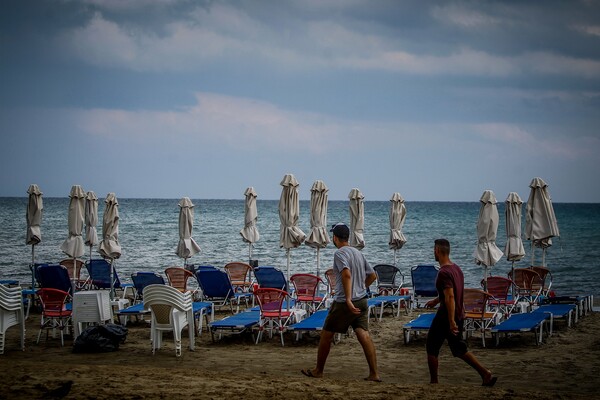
[{"x": 565, "y": 366}]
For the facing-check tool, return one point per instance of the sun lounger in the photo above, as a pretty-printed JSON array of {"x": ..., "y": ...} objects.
[
  {"x": 584, "y": 302},
  {"x": 568, "y": 312},
  {"x": 200, "y": 308},
  {"x": 525, "y": 322},
  {"x": 235, "y": 324},
  {"x": 314, "y": 323},
  {"x": 417, "y": 325}
]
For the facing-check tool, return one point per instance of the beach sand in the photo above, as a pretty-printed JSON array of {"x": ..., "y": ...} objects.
[{"x": 565, "y": 366}]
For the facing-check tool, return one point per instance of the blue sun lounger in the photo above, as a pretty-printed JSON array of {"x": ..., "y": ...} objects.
[
  {"x": 201, "y": 308},
  {"x": 421, "y": 323},
  {"x": 235, "y": 324},
  {"x": 525, "y": 322},
  {"x": 314, "y": 323},
  {"x": 393, "y": 301},
  {"x": 568, "y": 312}
]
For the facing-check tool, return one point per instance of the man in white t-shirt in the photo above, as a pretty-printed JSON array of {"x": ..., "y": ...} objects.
[{"x": 349, "y": 309}]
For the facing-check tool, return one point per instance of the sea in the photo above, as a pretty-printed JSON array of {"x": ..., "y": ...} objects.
[{"x": 149, "y": 234}]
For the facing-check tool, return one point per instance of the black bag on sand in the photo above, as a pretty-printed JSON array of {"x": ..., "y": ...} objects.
[{"x": 100, "y": 339}]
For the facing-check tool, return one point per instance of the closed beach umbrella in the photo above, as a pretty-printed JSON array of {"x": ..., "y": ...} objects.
[
  {"x": 250, "y": 233},
  {"x": 397, "y": 217},
  {"x": 35, "y": 206},
  {"x": 540, "y": 221},
  {"x": 357, "y": 219},
  {"x": 73, "y": 246},
  {"x": 514, "y": 243},
  {"x": 487, "y": 253},
  {"x": 290, "y": 236},
  {"x": 187, "y": 246},
  {"x": 318, "y": 237},
  {"x": 109, "y": 246},
  {"x": 91, "y": 220}
]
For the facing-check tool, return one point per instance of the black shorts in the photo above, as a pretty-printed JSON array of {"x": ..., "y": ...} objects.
[{"x": 440, "y": 331}]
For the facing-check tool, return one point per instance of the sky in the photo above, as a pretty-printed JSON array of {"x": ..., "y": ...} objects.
[{"x": 436, "y": 100}]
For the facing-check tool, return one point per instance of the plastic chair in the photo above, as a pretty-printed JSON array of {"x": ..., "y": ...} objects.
[
  {"x": 240, "y": 275},
  {"x": 387, "y": 275},
  {"x": 171, "y": 310},
  {"x": 306, "y": 287},
  {"x": 477, "y": 316},
  {"x": 55, "y": 314},
  {"x": 330, "y": 279},
  {"x": 11, "y": 313},
  {"x": 524, "y": 285},
  {"x": 272, "y": 315},
  {"x": 423, "y": 281}
]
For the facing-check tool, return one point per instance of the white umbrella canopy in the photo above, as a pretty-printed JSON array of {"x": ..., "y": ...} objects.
[
  {"x": 73, "y": 246},
  {"x": 35, "y": 206},
  {"x": 397, "y": 218},
  {"x": 250, "y": 233},
  {"x": 187, "y": 246},
  {"x": 318, "y": 237},
  {"x": 290, "y": 236},
  {"x": 487, "y": 253},
  {"x": 91, "y": 220},
  {"x": 357, "y": 219},
  {"x": 540, "y": 221},
  {"x": 514, "y": 249}
]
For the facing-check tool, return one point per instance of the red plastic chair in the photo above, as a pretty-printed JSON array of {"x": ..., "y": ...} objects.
[
  {"x": 54, "y": 312},
  {"x": 306, "y": 291},
  {"x": 272, "y": 315},
  {"x": 500, "y": 288},
  {"x": 524, "y": 279}
]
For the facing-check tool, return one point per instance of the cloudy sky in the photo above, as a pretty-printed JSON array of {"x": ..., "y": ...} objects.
[{"x": 437, "y": 100}]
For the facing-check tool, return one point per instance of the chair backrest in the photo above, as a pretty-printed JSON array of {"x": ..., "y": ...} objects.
[
  {"x": 387, "y": 275},
  {"x": 498, "y": 287},
  {"x": 142, "y": 279},
  {"x": 53, "y": 302},
  {"x": 68, "y": 264},
  {"x": 215, "y": 284},
  {"x": 53, "y": 276},
  {"x": 239, "y": 273},
  {"x": 99, "y": 272},
  {"x": 270, "y": 299},
  {"x": 544, "y": 280},
  {"x": 270, "y": 277},
  {"x": 330, "y": 278},
  {"x": 11, "y": 299},
  {"x": 305, "y": 285},
  {"x": 423, "y": 280},
  {"x": 523, "y": 278},
  {"x": 178, "y": 277},
  {"x": 475, "y": 301}
]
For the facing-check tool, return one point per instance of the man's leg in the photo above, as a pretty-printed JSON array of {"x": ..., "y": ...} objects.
[
  {"x": 322, "y": 353},
  {"x": 486, "y": 374},
  {"x": 432, "y": 363},
  {"x": 364, "y": 338}
]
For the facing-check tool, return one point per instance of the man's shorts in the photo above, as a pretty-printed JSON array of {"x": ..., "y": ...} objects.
[
  {"x": 339, "y": 318},
  {"x": 440, "y": 331}
]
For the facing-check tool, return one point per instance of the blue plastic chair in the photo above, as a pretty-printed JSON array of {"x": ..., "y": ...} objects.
[
  {"x": 217, "y": 288},
  {"x": 423, "y": 282},
  {"x": 270, "y": 277}
]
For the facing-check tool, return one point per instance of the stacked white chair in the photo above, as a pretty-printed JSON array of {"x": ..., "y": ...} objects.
[
  {"x": 11, "y": 313},
  {"x": 171, "y": 310}
]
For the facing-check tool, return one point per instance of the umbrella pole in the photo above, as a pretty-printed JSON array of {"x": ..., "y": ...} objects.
[
  {"x": 33, "y": 267},
  {"x": 249, "y": 253},
  {"x": 394, "y": 257},
  {"x": 544, "y": 257},
  {"x": 512, "y": 274},
  {"x": 318, "y": 260},
  {"x": 73, "y": 281},
  {"x": 485, "y": 276},
  {"x": 112, "y": 284},
  {"x": 288, "y": 278}
]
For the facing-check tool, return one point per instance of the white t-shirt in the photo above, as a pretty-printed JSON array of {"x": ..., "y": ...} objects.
[{"x": 351, "y": 258}]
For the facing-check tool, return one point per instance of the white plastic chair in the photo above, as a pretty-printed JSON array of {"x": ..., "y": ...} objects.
[
  {"x": 11, "y": 313},
  {"x": 171, "y": 310}
]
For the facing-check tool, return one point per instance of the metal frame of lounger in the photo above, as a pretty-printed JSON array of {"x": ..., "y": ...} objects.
[
  {"x": 235, "y": 324},
  {"x": 417, "y": 325},
  {"x": 525, "y": 322},
  {"x": 584, "y": 302}
]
